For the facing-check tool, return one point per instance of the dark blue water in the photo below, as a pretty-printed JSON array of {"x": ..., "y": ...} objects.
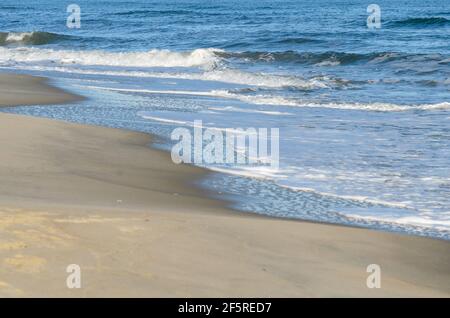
[{"x": 363, "y": 114}]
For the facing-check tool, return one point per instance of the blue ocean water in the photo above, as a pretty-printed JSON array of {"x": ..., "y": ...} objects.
[{"x": 364, "y": 115}]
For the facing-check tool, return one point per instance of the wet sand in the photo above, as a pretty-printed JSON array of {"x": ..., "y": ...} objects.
[{"x": 137, "y": 226}]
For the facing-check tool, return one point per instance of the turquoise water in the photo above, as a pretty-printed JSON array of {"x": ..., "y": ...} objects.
[{"x": 364, "y": 115}]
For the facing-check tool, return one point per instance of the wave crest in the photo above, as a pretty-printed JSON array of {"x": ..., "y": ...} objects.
[
  {"x": 205, "y": 58},
  {"x": 29, "y": 38}
]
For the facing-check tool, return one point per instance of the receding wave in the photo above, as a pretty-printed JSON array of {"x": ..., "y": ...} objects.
[
  {"x": 261, "y": 79},
  {"x": 225, "y": 76},
  {"x": 30, "y": 38},
  {"x": 282, "y": 101},
  {"x": 421, "y": 22}
]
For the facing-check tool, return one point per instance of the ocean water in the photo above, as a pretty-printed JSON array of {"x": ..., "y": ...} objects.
[{"x": 363, "y": 115}]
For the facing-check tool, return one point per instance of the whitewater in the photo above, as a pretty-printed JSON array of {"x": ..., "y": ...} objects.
[{"x": 364, "y": 116}]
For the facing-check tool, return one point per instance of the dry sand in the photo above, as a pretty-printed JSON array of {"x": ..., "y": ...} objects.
[{"x": 137, "y": 226}]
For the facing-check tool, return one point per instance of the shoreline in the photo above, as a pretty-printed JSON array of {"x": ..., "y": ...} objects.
[{"x": 102, "y": 197}]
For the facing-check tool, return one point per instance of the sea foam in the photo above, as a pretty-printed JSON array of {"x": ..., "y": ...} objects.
[{"x": 153, "y": 58}]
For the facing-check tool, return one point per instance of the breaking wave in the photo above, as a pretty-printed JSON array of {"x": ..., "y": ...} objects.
[
  {"x": 206, "y": 58},
  {"x": 153, "y": 58},
  {"x": 30, "y": 38}
]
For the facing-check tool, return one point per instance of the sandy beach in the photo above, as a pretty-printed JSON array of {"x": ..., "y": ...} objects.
[
  {"x": 17, "y": 89},
  {"x": 138, "y": 227}
]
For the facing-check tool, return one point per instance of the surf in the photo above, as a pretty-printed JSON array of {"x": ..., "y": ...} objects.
[{"x": 30, "y": 38}]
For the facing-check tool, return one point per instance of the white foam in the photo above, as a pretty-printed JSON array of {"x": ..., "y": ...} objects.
[
  {"x": 66, "y": 62},
  {"x": 164, "y": 120},
  {"x": 361, "y": 199},
  {"x": 148, "y": 115},
  {"x": 152, "y": 91},
  {"x": 408, "y": 220},
  {"x": 247, "y": 110},
  {"x": 18, "y": 36},
  {"x": 257, "y": 172},
  {"x": 153, "y": 58},
  {"x": 419, "y": 219},
  {"x": 328, "y": 63},
  {"x": 281, "y": 101},
  {"x": 262, "y": 79}
]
